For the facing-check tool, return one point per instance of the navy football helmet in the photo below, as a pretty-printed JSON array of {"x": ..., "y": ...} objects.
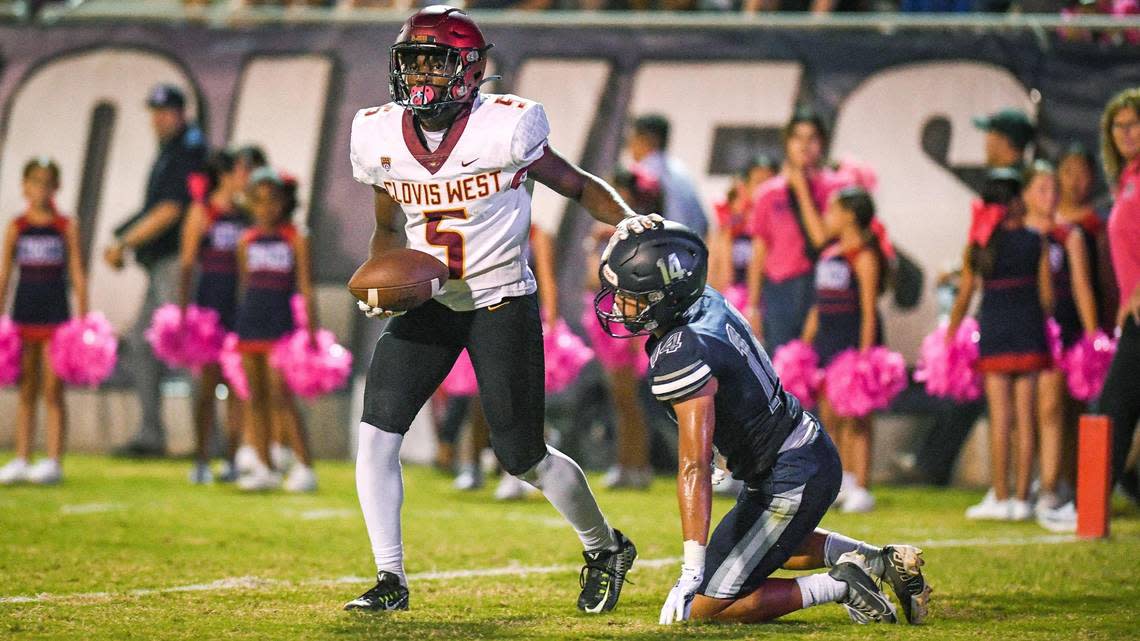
[{"x": 649, "y": 280}]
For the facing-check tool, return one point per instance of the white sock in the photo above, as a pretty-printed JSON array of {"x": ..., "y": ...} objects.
[
  {"x": 820, "y": 588},
  {"x": 837, "y": 545},
  {"x": 380, "y": 488},
  {"x": 564, "y": 485}
]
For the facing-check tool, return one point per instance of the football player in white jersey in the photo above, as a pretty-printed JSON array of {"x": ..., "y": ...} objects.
[{"x": 455, "y": 161}]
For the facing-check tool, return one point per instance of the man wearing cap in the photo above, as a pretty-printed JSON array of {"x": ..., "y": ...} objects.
[
  {"x": 152, "y": 236},
  {"x": 1008, "y": 133}
]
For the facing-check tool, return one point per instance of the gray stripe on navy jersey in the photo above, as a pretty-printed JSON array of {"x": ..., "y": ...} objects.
[
  {"x": 671, "y": 375},
  {"x": 727, "y": 579},
  {"x": 686, "y": 391},
  {"x": 662, "y": 389}
]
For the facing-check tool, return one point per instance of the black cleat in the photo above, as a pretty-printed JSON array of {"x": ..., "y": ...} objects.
[
  {"x": 902, "y": 569},
  {"x": 864, "y": 601},
  {"x": 604, "y": 575},
  {"x": 387, "y": 594}
]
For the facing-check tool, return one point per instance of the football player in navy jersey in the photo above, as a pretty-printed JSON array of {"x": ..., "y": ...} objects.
[{"x": 721, "y": 389}]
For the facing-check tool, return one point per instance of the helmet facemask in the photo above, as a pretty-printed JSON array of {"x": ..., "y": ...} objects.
[
  {"x": 633, "y": 311},
  {"x": 430, "y": 78}
]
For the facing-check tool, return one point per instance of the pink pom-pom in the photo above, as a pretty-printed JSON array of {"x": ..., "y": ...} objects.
[
  {"x": 860, "y": 383},
  {"x": 855, "y": 172},
  {"x": 232, "y": 369},
  {"x": 566, "y": 355},
  {"x": 10, "y": 346},
  {"x": 461, "y": 380},
  {"x": 1086, "y": 365},
  {"x": 1053, "y": 338},
  {"x": 83, "y": 350},
  {"x": 949, "y": 369},
  {"x": 613, "y": 353},
  {"x": 737, "y": 295},
  {"x": 311, "y": 370},
  {"x": 797, "y": 364},
  {"x": 191, "y": 341}
]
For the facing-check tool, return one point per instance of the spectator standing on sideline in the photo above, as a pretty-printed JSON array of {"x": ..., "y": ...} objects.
[
  {"x": 1120, "y": 152},
  {"x": 788, "y": 233},
  {"x": 152, "y": 235},
  {"x": 647, "y": 146}
]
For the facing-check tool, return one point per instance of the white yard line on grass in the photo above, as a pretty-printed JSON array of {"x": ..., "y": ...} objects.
[
  {"x": 91, "y": 508},
  {"x": 254, "y": 583}
]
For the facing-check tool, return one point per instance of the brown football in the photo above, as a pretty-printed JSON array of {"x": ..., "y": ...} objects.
[{"x": 399, "y": 279}]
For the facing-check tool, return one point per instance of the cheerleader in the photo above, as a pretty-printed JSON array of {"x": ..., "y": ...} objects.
[
  {"x": 730, "y": 244},
  {"x": 848, "y": 280},
  {"x": 45, "y": 247},
  {"x": 273, "y": 263},
  {"x": 1075, "y": 176},
  {"x": 1010, "y": 264},
  {"x": 213, "y": 224}
]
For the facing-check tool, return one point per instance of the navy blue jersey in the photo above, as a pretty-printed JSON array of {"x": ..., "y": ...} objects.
[
  {"x": 271, "y": 279},
  {"x": 753, "y": 412},
  {"x": 41, "y": 291},
  {"x": 217, "y": 257}
]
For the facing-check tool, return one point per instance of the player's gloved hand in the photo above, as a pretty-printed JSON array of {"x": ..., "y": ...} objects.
[
  {"x": 637, "y": 224},
  {"x": 631, "y": 225},
  {"x": 719, "y": 474},
  {"x": 680, "y": 599},
  {"x": 376, "y": 312}
]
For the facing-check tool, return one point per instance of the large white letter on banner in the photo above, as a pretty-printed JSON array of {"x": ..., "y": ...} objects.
[{"x": 925, "y": 207}]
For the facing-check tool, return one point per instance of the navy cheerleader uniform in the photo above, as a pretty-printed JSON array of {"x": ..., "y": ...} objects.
[
  {"x": 41, "y": 302},
  {"x": 1065, "y": 306},
  {"x": 1010, "y": 320},
  {"x": 217, "y": 258},
  {"x": 837, "y": 295},
  {"x": 265, "y": 313}
]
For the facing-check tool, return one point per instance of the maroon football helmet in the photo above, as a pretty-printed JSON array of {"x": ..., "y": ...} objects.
[{"x": 438, "y": 62}]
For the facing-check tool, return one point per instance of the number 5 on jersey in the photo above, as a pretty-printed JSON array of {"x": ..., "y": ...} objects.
[{"x": 450, "y": 240}]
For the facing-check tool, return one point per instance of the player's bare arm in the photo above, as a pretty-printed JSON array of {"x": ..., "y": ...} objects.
[
  {"x": 696, "y": 418},
  {"x": 588, "y": 190},
  {"x": 386, "y": 233}
]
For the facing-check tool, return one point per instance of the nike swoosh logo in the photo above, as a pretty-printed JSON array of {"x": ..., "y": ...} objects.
[
  {"x": 468, "y": 163},
  {"x": 492, "y": 308}
]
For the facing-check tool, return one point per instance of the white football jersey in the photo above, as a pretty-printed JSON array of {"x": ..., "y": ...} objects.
[{"x": 465, "y": 202}]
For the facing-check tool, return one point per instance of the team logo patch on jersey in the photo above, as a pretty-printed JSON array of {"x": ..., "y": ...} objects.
[
  {"x": 386, "y": 163},
  {"x": 670, "y": 345}
]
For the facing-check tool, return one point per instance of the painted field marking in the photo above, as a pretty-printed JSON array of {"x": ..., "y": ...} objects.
[{"x": 256, "y": 583}]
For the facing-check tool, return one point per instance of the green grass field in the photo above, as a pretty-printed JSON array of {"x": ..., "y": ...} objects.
[{"x": 128, "y": 550}]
